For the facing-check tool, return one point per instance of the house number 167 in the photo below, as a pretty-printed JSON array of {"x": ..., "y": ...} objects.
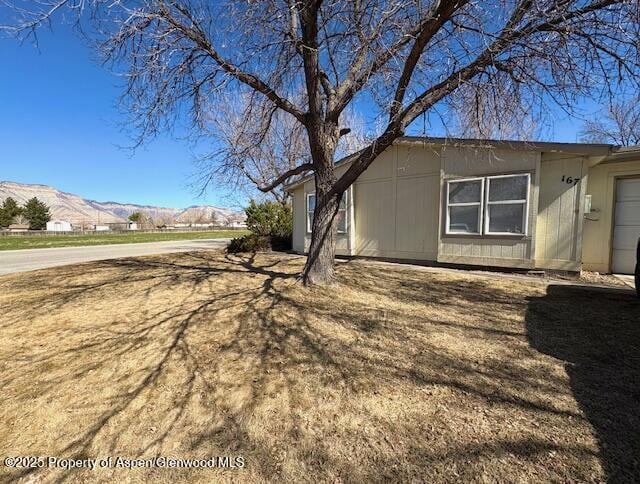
[{"x": 569, "y": 180}]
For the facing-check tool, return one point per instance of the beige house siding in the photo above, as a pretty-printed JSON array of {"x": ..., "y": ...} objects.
[
  {"x": 299, "y": 220},
  {"x": 397, "y": 203},
  {"x": 598, "y": 226},
  {"x": 489, "y": 250},
  {"x": 397, "y": 208},
  {"x": 560, "y": 212}
]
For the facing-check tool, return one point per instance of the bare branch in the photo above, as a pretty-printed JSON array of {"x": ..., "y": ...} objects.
[{"x": 619, "y": 124}]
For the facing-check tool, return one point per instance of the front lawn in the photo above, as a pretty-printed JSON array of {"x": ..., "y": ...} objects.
[
  {"x": 12, "y": 242},
  {"x": 392, "y": 374}
]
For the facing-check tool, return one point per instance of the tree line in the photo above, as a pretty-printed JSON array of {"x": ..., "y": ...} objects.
[{"x": 33, "y": 212}]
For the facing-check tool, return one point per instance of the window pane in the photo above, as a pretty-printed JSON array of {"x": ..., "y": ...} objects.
[
  {"x": 511, "y": 188},
  {"x": 463, "y": 220},
  {"x": 342, "y": 220},
  {"x": 506, "y": 218},
  {"x": 311, "y": 202},
  {"x": 309, "y": 221},
  {"x": 343, "y": 201},
  {"x": 464, "y": 192}
]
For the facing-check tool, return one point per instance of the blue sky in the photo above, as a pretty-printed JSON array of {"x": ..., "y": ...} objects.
[{"x": 59, "y": 126}]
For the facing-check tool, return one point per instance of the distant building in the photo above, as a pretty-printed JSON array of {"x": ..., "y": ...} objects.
[
  {"x": 118, "y": 226},
  {"x": 237, "y": 224},
  {"x": 59, "y": 226},
  {"x": 101, "y": 228},
  {"x": 192, "y": 225},
  {"x": 18, "y": 228}
]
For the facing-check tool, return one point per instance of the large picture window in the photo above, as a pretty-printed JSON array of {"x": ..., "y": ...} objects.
[
  {"x": 341, "y": 216},
  {"x": 464, "y": 206},
  {"x": 494, "y": 205},
  {"x": 507, "y": 204}
]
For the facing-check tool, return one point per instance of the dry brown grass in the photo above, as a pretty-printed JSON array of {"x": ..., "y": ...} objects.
[{"x": 393, "y": 374}]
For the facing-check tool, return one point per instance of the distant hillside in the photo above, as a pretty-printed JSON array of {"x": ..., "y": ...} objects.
[
  {"x": 62, "y": 205},
  {"x": 123, "y": 210},
  {"x": 78, "y": 210},
  {"x": 205, "y": 213}
]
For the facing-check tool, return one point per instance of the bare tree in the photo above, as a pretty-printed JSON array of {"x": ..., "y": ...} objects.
[
  {"x": 410, "y": 56},
  {"x": 143, "y": 220},
  {"x": 492, "y": 111},
  {"x": 255, "y": 143},
  {"x": 619, "y": 125}
]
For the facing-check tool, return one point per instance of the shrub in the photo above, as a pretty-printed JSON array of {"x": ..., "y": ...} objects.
[
  {"x": 249, "y": 243},
  {"x": 37, "y": 213},
  {"x": 270, "y": 219},
  {"x": 9, "y": 210},
  {"x": 271, "y": 226}
]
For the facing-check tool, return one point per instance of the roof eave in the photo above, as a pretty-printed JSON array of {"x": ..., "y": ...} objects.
[{"x": 600, "y": 151}]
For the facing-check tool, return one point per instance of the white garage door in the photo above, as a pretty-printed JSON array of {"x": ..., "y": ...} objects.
[{"x": 627, "y": 228}]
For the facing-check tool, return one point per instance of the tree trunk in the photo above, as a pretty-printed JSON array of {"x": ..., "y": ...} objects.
[{"x": 319, "y": 268}]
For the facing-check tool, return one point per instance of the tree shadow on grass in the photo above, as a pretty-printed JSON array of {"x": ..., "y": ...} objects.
[
  {"x": 597, "y": 336},
  {"x": 392, "y": 374}
]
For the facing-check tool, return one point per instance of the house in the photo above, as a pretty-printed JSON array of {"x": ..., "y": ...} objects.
[
  {"x": 117, "y": 226},
  {"x": 18, "y": 228},
  {"x": 59, "y": 226},
  {"x": 101, "y": 228},
  {"x": 237, "y": 224},
  {"x": 528, "y": 205}
]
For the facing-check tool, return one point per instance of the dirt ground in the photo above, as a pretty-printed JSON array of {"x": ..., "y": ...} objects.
[{"x": 391, "y": 374}]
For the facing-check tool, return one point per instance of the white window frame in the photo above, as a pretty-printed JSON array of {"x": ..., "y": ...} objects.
[
  {"x": 525, "y": 202},
  {"x": 309, "y": 214},
  {"x": 480, "y": 204}
]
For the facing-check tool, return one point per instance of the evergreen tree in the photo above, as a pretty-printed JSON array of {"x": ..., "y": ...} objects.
[
  {"x": 8, "y": 211},
  {"x": 37, "y": 213}
]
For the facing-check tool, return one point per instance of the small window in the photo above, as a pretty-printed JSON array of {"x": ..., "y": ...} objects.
[
  {"x": 464, "y": 206},
  {"x": 507, "y": 205},
  {"x": 311, "y": 206},
  {"x": 341, "y": 215}
]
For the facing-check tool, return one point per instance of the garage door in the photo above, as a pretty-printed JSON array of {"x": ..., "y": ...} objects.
[{"x": 627, "y": 228}]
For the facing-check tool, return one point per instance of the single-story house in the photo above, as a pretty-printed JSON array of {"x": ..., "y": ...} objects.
[
  {"x": 118, "y": 226},
  {"x": 511, "y": 204},
  {"x": 59, "y": 226},
  {"x": 237, "y": 224},
  {"x": 18, "y": 228}
]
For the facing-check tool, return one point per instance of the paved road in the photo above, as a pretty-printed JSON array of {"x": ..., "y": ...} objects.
[{"x": 30, "y": 259}]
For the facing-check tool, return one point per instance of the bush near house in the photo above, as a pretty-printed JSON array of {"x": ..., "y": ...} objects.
[{"x": 271, "y": 226}]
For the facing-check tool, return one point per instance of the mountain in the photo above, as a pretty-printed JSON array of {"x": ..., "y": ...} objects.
[
  {"x": 206, "y": 213},
  {"x": 62, "y": 205},
  {"x": 81, "y": 211},
  {"x": 123, "y": 210}
]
